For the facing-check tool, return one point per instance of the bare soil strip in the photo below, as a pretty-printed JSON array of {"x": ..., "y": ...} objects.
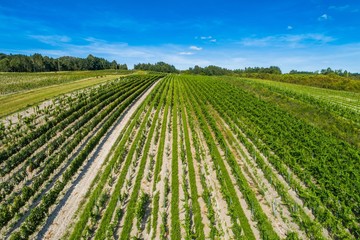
[
  {"x": 244, "y": 205},
  {"x": 203, "y": 208},
  {"x": 207, "y": 167},
  {"x": 68, "y": 205},
  {"x": 182, "y": 170},
  {"x": 165, "y": 172},
  {"x": 148, "y": 180}
]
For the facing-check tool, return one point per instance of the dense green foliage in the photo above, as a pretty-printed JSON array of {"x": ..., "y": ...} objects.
[
  {"x": 39, "y": 63},
  {"x": 157, "y": 67},
  {"x": 321, "y": 161},
  {"x": 215, "y": 70},
  {"x": 336, "y": 112},
  {"x": 269, "y": 70},
  {"x": 329, "y": 71},
  {"x": 209, "y": 70},
  {"x": 326, "y": 78}
]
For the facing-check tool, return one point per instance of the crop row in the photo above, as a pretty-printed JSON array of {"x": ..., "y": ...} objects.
[
  {"x": 86, "y": 126},
  {"x": 277, "y": 132},
  {"x": 125, "y": 160},
  {"x": 200, "y": 158}
]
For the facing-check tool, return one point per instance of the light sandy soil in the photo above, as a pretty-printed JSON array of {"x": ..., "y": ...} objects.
[
  {"x": 60, "y": 102},
  {"x": 56, "y": 102},
  {"x": 153, "y": 190},
  {"x": 270, "y": 202},
  {"x": 219, "y": 204},
  {"x": 63, "y": 217},
  {"x": 280, "y": 219},
  {"x": 148, "y": 181},
  {"x": 291, "y": 192},
  {"x": 27, "y": 112},
  {"x": 182, "y": 169},
  {"x": 145, "y": 187},
  {"x": 39, "y": 169},
  {"x": 115, "y": 173},
  {"x": 132, "y": 173},
  {"x": 47, "y": 185},
  {"x": 128, "y": 185},
  {"x": 245, "y": 207},
  {"x": 164, "y": 172},
  {"x": 243, "y": 203},
  {"x": 205, "y": 220},
  {"x": 15, "y": 119}
]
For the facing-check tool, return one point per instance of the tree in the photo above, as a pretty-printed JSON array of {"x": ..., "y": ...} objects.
[
  {"x": 39, "y": 63},
  {"x": 114, "y": 65},
  {"x": 157, "y": 67},
  {"x": 5, "y": 65}
]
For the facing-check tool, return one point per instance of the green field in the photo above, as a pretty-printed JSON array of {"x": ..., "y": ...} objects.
[
  {"x": 28, "y": 89},
  {"x": 200, "y": 158},
  {"x": 13, "y": 82},
  {"x": 336, "y": 112},
  {"x": 346, "y": 99}
]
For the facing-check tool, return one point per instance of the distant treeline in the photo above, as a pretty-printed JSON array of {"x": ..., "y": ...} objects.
[
  {"x": 39, "y": 63},
  {"x": 209, "y": 70},
  {"x": 328, "y": 71},
  {"x": 325, "y": 78},
  {"x": 157, "y": 67},
  {"x": 215, "y": 70}
]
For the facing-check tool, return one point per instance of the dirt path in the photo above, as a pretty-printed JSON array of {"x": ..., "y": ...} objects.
[
  {"x": 60, "y": 222},
  {"x": 206, "y": 167},
  {"x": 165, "y": 173},
  {"x": 149, "y": 179}
]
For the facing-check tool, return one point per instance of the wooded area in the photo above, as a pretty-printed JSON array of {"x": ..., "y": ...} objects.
[{"x": 39, "y": 63}]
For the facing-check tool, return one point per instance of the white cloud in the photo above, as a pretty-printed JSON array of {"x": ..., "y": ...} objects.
[
  {"x": 207, "y": 38},
  {"x": 51, "y": 39},
  {"x": 186, "y": 53},
  {"x": 233, "y": 56},
  {"x": 94, "y": 40},
  {"x": 195, "y": 48},
  {"x": 289, "y": 27},
  {"x": 339, "y": 8},
  {"x": 288, "y": 40},
  {"x": 324, "y": 17}
]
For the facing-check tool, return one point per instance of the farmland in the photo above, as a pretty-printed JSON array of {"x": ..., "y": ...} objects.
[
  {"x": 174, "y": 156},
  {"x": 21, "y": 90}
]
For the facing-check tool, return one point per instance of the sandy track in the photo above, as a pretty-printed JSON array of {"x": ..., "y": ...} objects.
[
  {"x": 165, "y": 172},
  {"x": 58, "y": 224}
]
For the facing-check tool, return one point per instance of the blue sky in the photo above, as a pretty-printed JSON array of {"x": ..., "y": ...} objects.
[{"x": 303, "y": 35}]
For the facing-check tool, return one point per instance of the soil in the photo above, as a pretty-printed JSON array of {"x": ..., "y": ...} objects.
[{"x": 62, "y": 218}]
